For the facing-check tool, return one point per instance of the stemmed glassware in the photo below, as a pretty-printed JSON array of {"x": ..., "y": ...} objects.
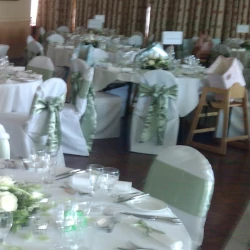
[
  {"x": 109, "y": 178},
  {"x": 95, "y": 171}
]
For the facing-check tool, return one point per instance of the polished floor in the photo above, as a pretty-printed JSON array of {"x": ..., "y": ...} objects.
[{"x": 231, "y": 194}]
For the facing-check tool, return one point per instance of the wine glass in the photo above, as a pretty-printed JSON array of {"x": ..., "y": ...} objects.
[
  {"x": 95, "y": 171},
  {"x": 109, "y": 178},
  {"x": 6, "y": 221}
]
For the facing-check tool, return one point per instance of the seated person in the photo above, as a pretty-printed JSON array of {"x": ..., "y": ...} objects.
[{"x": 203, "y": 45}]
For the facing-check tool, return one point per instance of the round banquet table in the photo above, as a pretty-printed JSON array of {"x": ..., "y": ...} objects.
[
  {"x": 60, "y": 55},
  {"x": 17, "y": 96},
  {"x": 123, "y": 231},
  {"x": 189, "y": 88}
]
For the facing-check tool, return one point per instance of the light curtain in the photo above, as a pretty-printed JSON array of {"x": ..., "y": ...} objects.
[
  {"x": 54, "y": 13},
  {"x": 217, "y": 17},
  {"x": 126, "y": 16}
]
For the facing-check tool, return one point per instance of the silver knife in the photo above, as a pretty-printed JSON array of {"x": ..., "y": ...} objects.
[
  {"x": 70, "y": 173},
  {"x": 154, "y": 217},
  {"x": 132, "y": 198}
]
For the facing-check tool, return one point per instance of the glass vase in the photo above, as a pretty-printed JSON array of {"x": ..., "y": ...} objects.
[{"x": 6, "y": 221}]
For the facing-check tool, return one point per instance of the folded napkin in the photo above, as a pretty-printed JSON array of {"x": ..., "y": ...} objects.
[
  {"x": 59, "y": 46},
  {"x": 125, "y": 69},
  {"x": 81, "y": 182},
  {"x": 156, "y": 239},
  {"x": 113, "y": 68},
  {"x": 19, "y": 68},
  {"x": 22, "y": 74},
  {"x": 69, "y": 46}
]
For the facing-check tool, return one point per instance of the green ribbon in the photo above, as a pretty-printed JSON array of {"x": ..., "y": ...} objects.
[
  {"x": 179, "y": 188},
  {"x": 54, "y": 105},
  {"x": 41, "y": 38},
  {"x": 47, "y": 74},
  {"x": 83, "y": 89},
  {"x": 158, "y": 109}
]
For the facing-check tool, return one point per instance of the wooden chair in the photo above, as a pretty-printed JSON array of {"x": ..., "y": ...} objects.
[{"x": 236, "y": 96}]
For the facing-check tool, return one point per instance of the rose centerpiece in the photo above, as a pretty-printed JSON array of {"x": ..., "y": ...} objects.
[
  {"x": 20, "y": 199},
  {"x": 155, "y": 62}
]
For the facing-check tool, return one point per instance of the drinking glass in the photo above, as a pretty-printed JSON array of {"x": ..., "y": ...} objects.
[
  {"x": 109, "y": 178},
  {"x": 6, "y": 221},
  {"x": 95, "y": 171}
]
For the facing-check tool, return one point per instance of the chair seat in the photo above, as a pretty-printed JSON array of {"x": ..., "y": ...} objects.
[{"x": 108, "y": 108}]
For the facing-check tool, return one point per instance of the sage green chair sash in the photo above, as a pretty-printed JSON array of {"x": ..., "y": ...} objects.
[
  {"x": 158, "y": 109},
  {"x": 53, "y": 105},
  {"x": 82, "y": 88},
  {"x": 47, "y": 74},
  {"x": 179, "y": 188},
  {"x": 41, "y": 38}
]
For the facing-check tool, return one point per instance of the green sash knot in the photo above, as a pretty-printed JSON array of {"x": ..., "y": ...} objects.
[
  {"x": 82, "y": 89},
  {"x": 158, "y": 109},
  {"x": 54, "y": 105}
]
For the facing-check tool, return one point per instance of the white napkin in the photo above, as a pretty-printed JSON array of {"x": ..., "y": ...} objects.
[
  {"x": 81, "y": 182},
  {"x": 125, "y": 69},
  {"x": 153, "y": 240},
  {"x": 19, "y": 68},
  {"x": 113, "y": 68},
  {"x": 69, "y": 47},
  {"x": 59, "y": 46}
]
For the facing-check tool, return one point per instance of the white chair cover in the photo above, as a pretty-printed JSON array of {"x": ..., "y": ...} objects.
[
  {"x": 63, "y": 29},
  {"x": 73, "y": 141},
  {"x": 4, "y": 143},
  {"x": 42, "y": 31},
  {"x": 34, "y": 48},
  {"x": 49, "y": 33},
  {"x": 26, "y": 130},
  {"x": 109, "y": 110},
  {"x": 99, "y": 55},
  {"x": 183, "y": 178},
  {"x": 3, "y": 50},
  {"x": 152, "y": 78},
  {"x": 29, "y": 39},
  {"x": 135, "y": 40},
  {"x": 55, "y": 38},
  {"x": 42, "y": 65}
]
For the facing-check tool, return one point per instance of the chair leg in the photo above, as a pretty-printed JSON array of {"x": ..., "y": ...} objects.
[
  {"x": 196, "y": 118},
  {"x": 223, "y": 148}
]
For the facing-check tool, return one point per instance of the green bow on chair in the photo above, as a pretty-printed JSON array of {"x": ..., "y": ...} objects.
[
  {"x": 54, "y": 105},
  {"x": 158, "y": 107},
  {"x": 82, "y": 88}
]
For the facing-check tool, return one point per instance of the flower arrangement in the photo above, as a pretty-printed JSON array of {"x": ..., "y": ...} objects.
[
  {"x": 155, "y": 62},
  {"x": 19, "y": 198},
  {"x": 246, "y": 45}
]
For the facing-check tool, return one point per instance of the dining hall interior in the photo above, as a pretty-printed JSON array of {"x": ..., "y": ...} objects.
[{"x": 129, "y": 120}]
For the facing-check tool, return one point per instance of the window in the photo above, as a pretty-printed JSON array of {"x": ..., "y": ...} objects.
[{"x": 33, "y": 12}]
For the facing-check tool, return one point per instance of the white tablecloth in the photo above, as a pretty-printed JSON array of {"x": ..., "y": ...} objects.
[
  {"x": 60, "y": 56},
  {"x": 119, "y": 237},
  {"x": 188, "y": 88},
  {"x": 17, "y": 96}
]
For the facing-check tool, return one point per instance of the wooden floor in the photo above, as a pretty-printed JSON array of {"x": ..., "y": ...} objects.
[{"x": 232, "y": 182}]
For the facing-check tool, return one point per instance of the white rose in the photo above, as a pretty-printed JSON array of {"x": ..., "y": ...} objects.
[
  {"x": 151, "y": 62},
  {"x": 8, "y": 202},
  {"x": 6, "y": 181}
]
